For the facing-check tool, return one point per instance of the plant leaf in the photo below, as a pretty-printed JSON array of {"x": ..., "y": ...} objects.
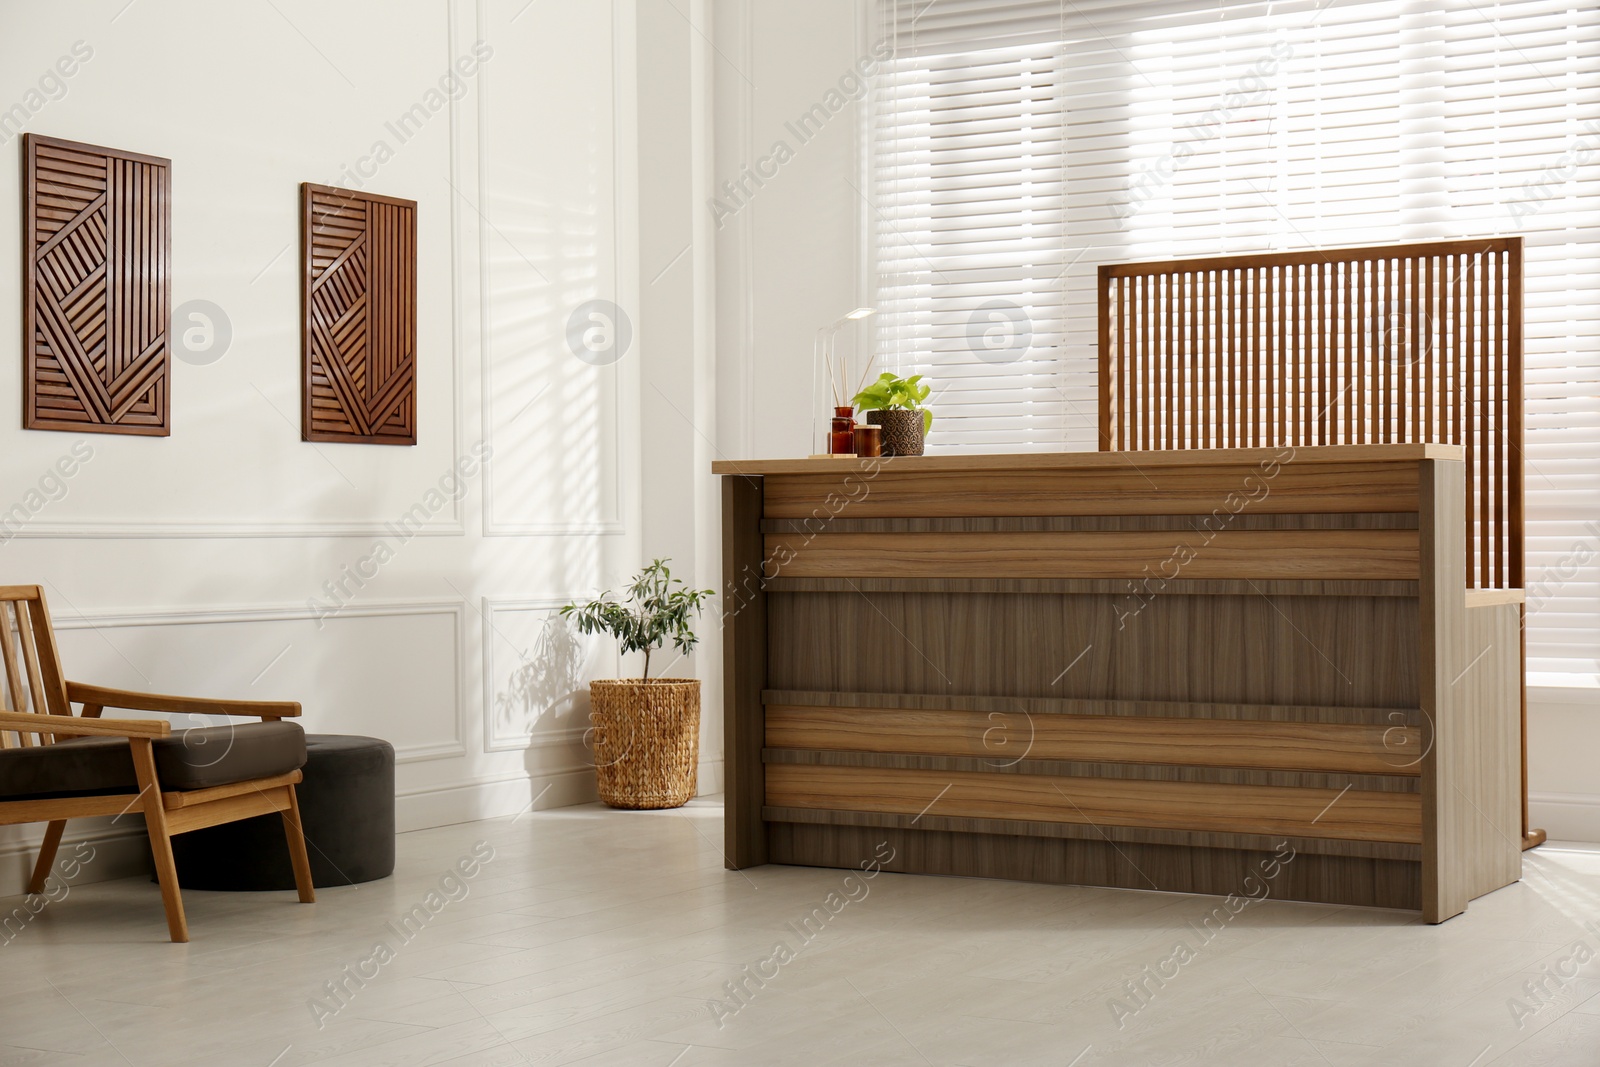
[
  {"x": 658, "y": 607},
  {"x": 891, "y": 392}
]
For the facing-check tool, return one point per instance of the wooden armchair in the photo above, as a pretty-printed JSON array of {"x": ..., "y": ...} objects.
[{"x": 56, "y": 766}]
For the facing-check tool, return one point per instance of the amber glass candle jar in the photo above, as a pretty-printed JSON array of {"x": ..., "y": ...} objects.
[
  {"x": 869, "y": 441},
  {"x": 842, "y": 434}
]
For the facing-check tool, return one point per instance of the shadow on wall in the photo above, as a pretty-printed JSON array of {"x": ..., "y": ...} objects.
[{"x": 544, "y": 690}]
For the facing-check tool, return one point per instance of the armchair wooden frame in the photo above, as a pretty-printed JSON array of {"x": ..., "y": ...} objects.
[{"x": 38, "y": 711}]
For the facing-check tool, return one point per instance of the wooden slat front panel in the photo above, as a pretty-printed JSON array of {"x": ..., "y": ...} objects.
[
  {"x": 1094, "y": 860},
  {"x": 1358, "y": 652},
  {"x": 1313, "y": 488},
  {"x": 1008, "y": 737},
  {"x": 1264, "y": 554},
  {"x": 1245, "y": 809}
]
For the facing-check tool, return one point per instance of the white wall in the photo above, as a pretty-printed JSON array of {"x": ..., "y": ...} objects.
[
  {"x": 787, "y": 252},
  {"x": 678, "y": 426},
  {"x": 190, "y": 564},
  {"x": 1563, "y": 777}
]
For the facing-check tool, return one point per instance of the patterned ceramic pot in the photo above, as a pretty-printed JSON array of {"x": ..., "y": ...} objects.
[{"x": 902, "y": 430}]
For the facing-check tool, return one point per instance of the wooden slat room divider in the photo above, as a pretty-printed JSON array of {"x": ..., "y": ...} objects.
[{"x": 1382, "y": 344}]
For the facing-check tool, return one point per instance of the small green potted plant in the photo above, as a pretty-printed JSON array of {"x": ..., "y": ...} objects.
[
  {"x": 895, "y": 404},
  {"x": 646, "y": 731}
]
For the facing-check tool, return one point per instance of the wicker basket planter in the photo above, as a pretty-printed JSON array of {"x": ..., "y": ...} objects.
[{"x": 646, "y": 741}]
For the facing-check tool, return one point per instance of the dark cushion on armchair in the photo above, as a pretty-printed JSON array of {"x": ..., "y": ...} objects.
[{"x": 197, "y": 758}]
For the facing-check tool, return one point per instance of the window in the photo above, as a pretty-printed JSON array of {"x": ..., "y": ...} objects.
[
  {"x": 970, "y": 201},
  {"x": 1016, "y": 146}
]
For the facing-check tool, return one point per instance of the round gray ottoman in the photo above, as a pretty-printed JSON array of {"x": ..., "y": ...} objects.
[{"x": 346, "y": 808}]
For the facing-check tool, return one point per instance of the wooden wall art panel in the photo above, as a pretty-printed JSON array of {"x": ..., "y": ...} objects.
[
  {"x": 359, "y": 301},
  {"x": 96, "y": 309}
]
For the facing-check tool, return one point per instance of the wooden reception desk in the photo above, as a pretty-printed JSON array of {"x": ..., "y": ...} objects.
[{"x": 1167, "y": 670}]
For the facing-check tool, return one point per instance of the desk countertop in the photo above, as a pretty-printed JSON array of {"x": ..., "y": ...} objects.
[{"x": 1177, "y": 457}]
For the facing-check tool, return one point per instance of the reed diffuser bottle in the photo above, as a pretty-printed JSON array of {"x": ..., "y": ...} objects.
[
  {"x": 829, "y": 375},
  {"x": 842, "y": 432}
]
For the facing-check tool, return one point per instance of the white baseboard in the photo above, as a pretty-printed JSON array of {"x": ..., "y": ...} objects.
[
  {"x": 711, "y": 779},
  {"x": 496, "y": 799},
  {"x": 123, "y": 852},
  {"x": 1566, "y": 816},
  {"x": 101, "y": 853},
  {"x": 423, "y": 809}
]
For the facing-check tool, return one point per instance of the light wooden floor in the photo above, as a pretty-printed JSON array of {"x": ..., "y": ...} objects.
[{"x": 602, "y": 937}]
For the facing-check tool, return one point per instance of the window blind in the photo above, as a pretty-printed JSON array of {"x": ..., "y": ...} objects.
[
  {"x": 1015, "y": 145},
  {"x": 970, "y": 204}
]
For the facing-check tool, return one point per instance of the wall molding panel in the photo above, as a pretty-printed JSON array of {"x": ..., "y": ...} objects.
[
  {"x": 451, "y": 747},
  {"x": 557, "y": 665},
  {"x": 127, "y": 531}
]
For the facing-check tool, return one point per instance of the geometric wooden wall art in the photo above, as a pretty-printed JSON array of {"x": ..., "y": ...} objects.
[
  {"x": 96, "y": 307},
  {"x": 359, "y": 302}
]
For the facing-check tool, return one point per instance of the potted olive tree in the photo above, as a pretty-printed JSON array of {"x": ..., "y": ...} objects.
[
  {"x": 896, "y": 404},
  {"x": 646, "y": 733}
]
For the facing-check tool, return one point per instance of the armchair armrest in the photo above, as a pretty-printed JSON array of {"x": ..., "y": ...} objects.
[
  {"x": 74, "y": 726},
  {"x": 105, "y": 697}
]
